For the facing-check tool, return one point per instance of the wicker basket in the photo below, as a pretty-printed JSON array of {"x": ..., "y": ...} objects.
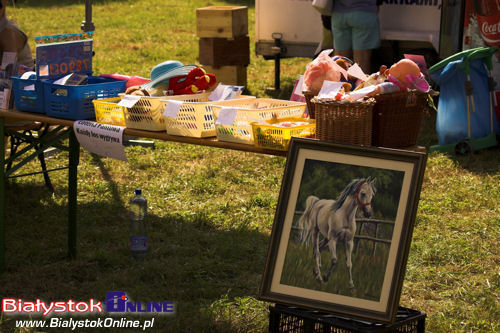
[
  {"x": 309, "y": 95},
  {"x": 397, "y": 119},
  {"x": 344, "y": 121}
]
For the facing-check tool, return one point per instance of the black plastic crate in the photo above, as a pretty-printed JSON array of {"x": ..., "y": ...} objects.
[{"x": 289, "y": 319}]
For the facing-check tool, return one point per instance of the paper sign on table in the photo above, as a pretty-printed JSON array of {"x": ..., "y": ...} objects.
[
  {"x": 172, "y": 109},
  {"x": 129, "y": 101},
  {"x": 101, "y": 139},
  {"x": 226, "y": 116},
  {"x": 329, "y": 89}
]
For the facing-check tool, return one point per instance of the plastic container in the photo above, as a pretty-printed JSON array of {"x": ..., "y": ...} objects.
[
  {"x": 138, "y": 230},
  {"x": 260, "y": 109},
  {"x": 195, "y": 118},
  {"x": 147, "y": 113},
  {"x": 107, "y": 111},
  {"x": 28, "y": 94},
  {"x": 75, "y": 102},
  {"x": 271, "y": 136},
  {"x": 289, "y": 319}
]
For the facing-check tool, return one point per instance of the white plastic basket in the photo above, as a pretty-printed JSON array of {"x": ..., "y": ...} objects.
[
  {"x": 195, "y": 118},
  {"x": 248, "y": 111},
  {"x": 147, "y": 113}
]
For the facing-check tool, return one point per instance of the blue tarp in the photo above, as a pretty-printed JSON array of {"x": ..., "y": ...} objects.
[{"x": 451, "y": 123}]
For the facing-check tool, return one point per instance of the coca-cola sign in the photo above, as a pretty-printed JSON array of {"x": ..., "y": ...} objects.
[
  {"x": 488, "y": 18},
  {"x": 490, "y": 32}
]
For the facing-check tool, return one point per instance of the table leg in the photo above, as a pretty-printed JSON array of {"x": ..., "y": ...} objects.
[
  {"x": 2, "y": 196},
  {"x": 74, "y": 158}
]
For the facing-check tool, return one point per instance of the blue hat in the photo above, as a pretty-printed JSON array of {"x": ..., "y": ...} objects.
[{"x": 162, "y": 73}]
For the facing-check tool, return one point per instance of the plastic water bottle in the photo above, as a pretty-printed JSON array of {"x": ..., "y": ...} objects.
[{"x": 138, "y": 235}]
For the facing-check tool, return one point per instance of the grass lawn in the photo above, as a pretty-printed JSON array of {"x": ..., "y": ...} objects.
[{"x": 211, "y": 210}]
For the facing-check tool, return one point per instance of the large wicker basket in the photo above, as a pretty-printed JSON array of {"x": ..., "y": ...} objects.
[
  {"x": 344, "y": 121},
  {"x": 397, "y": 119},
  {"x": 309, "y": 95}
]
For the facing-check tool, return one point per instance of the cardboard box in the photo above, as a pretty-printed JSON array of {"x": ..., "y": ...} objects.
[
  {"x": 222, "y": 21},
  {"x": 233, "y": 75},
  {"x": 224, "y": 52}
]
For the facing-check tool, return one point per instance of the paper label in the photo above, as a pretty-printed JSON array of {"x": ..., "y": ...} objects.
[
  {"x": 129, "y": 101},
  {"x": 329, "y": 89},
  {"x": 226, "y": 116},
  {"x": 172, "y": 109},
  {"x": 357, "y": 72},
  {"x": 298, "y": 86}
]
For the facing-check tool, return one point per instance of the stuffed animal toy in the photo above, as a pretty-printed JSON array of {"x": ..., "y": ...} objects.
[
  {"x": 345, "y": 63},
  {"x": 197, "y": 79}
]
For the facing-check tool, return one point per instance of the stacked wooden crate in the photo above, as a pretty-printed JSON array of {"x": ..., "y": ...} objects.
[{"x": 224, "y": 45}]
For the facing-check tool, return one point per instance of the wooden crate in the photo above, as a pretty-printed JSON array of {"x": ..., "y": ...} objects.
[
  {"x": 223, "y": 52},
  {"x": 222, "y": 21},
  {"x": 233, "y": 75}
]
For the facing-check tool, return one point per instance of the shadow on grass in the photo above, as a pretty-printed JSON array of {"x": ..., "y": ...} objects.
[{"x": 191, "y": 261}]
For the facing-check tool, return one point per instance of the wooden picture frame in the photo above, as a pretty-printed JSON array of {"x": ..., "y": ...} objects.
[{"x": 328, "y": 186}]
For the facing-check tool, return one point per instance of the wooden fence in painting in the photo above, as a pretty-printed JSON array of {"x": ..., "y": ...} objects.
[{"x": 365, "y": 226}]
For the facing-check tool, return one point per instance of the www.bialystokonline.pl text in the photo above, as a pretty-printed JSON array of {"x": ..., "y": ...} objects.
[{"x": 73, "y": 324}]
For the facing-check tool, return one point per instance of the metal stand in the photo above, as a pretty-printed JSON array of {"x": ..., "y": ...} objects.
[
  {"x": 88, "y": 25},
  {"x": 50, "y": 138},
  {"x": 277, "y": 50}
]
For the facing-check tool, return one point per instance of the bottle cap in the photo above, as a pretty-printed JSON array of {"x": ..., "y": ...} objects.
[{"x": 138, "y": 191}]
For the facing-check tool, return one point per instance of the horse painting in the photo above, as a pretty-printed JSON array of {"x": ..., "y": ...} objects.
[{"x": 335, "y": 220}]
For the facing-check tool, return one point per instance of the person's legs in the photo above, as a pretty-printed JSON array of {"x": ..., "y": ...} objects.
[
  {"x": 342, "y": 35},
  {"x": 344, "y": 53},
  {"x": 363, "y": 59},
  {"x": 365, "y": 36}
]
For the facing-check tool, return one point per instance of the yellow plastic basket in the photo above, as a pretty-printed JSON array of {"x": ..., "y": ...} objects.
[
  {"x": 272, "y": 136},
  {"x": 107, "y": 111},
  {"x": 248, "y": 111},
  {"x": 195, "y": 118}
]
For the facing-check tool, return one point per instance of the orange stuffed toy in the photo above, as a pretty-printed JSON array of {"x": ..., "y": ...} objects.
[{"x": 196, "y": 80}]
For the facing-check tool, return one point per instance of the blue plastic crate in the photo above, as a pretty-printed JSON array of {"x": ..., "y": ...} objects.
[
  {"x": 75, "y": 102},
  {"x": 27, "y": 98}
]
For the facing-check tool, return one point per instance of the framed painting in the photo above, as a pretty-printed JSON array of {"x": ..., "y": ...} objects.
[{"x": 342, "y": 229}]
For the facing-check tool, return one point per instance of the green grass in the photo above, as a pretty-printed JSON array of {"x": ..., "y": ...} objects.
[{"x": 211, "y": 210}]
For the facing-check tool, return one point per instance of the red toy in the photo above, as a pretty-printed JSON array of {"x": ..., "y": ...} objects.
[{"x": 197, "y": 79}]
